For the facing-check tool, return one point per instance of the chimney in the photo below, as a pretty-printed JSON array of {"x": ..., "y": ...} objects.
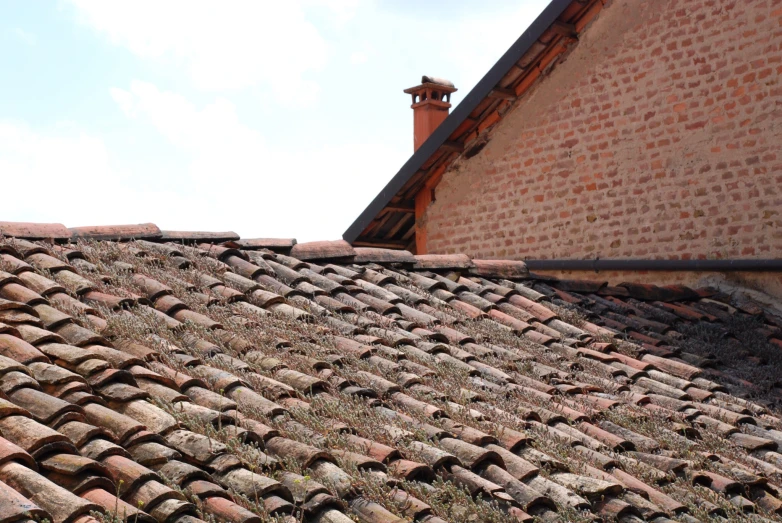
[{"x": 431, "y": 102}]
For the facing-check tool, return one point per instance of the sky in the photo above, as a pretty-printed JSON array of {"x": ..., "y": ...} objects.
[{"x": 270, "y": 119}]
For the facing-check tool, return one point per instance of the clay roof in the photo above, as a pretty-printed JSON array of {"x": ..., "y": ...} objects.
[
  {"x": 191, "y": 380},
  {"x": 389, "y": 220}
]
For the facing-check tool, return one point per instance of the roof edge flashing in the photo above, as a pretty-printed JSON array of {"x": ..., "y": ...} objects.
[{"x": 608, "y": 264}]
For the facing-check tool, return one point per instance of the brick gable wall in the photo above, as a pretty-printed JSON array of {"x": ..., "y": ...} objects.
[{"x": 660, "y": 136}]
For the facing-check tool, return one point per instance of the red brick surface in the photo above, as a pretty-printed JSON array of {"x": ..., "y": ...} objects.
[{"x": 658, "y": 137}]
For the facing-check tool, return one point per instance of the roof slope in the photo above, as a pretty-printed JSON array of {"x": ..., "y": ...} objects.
[
  {"x": 258, "y": 379},
  {"x": 388, "y": 221}
]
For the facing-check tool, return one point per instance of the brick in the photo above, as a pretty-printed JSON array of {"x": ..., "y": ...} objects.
[{"x": 660, "y": 143}]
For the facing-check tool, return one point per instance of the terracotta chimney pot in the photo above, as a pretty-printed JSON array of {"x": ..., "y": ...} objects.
[{"x": 431, "y": 103}]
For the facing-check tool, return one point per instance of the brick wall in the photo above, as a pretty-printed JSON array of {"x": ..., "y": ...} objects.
[{"x": 660, "y": 136}]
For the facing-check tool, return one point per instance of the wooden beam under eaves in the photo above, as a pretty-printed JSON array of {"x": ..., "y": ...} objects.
[
  {"x": 385, "y": 244},
  {"x": 453, "y": 146},
  {"x": 502, "y": 94},
  {"x": 564, "y": 29},
  {"x": 400, "y": 207}
]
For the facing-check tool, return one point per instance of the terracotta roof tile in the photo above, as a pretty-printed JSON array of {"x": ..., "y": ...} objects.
[
  {"x": 273, "y": 244},
  {"x": 62, "y": 505},
  {"x": 233, "y": 370},
  {"x": 378, "y": 255},
  {"x": 443, "y": 261},
  {"x": 117, "y": 232},
  {"x": 35, "y": 231},
  {"x": 111, "y": 503},
  {"x": 509, "y": 269},
  {"x": 13, "y": 264},
  {"x": 197, "y": 236},
  {"x": 323, "y": 250}
]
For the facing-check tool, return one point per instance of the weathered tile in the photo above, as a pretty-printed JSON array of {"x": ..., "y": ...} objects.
[
  {"x": 117, "y": 232},
  {"x": 323, "y": 250},
  {"x": 229, "y": 511},
  {"x": 43, "y": 407},
  {"x": 273, "y": 244},
  {"x": 16, "y": 507},
  {"x": 35, "y": 231},
  {"x": 571, "y": 379},
  {"x": 62, "y": 505},
  {"x": 111, "y": 504},
  {"x": 198, "y": 236}
]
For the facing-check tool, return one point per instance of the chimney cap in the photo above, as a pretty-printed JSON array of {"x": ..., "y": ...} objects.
[
  {"x": 432, "y": 82},
  {"x": 435, "y": 80}
]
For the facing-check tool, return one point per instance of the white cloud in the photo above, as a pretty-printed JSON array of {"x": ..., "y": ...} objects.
[
  {"x": 221, "y": 147},
  {"x": 342, "y": 11},
  {"x": 358, "y": 57},
  {"x": 25, "y": 36},
  {"x": 63, "y": 173},
  {"x": 276, "y": 47},
  {"x": 263, "y": 187},
  {"x": 233, "y": 181},
  {"x": 475, "y": 56},
  {"x": 220, "y": 170},
  {"x": 464, "y": 48},
  {"x": 243, "y": 182},
  {"x": 225, "y": 45}
]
